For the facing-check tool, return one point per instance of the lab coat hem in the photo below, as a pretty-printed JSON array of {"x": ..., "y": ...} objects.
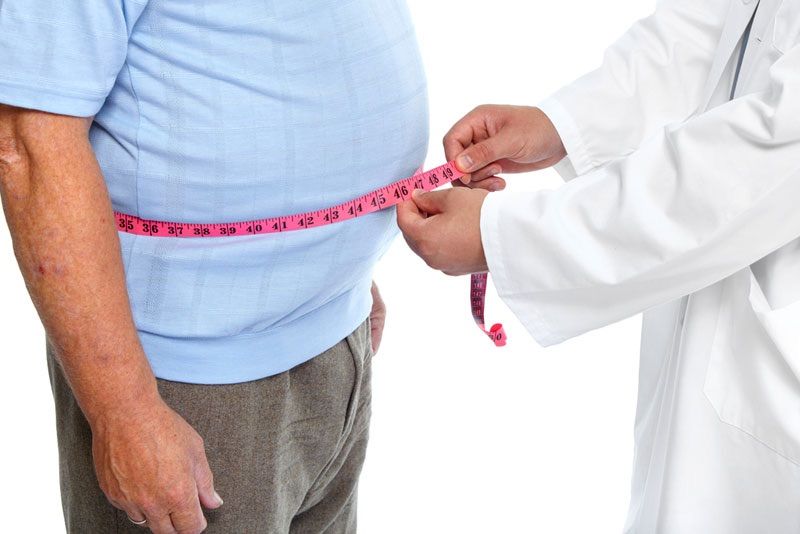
[{"x": 491, "y": 238}]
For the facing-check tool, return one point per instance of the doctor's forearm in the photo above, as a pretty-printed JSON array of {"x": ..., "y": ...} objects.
[
  {"x": 694, "y": 204},
  {"x": 62, "y": 227}
]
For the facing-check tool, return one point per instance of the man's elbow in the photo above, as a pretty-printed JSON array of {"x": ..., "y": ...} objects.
[
  {"x": 14, "y": 176},
  {"x": 12, "y": 152},
  {"x": 28, "y": 135}
]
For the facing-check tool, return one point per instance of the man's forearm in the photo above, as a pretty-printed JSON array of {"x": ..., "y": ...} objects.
[{"x": 62, "y": 227}]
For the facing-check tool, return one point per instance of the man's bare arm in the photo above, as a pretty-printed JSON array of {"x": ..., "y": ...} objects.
[
  {"x": 61, "y": 223},
  {"x": 149, "y": 462}
]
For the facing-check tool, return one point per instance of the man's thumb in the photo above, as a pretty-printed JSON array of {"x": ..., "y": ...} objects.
[
  {"x": 480, "y": 155},
  {"x": 209, "y": 498}
]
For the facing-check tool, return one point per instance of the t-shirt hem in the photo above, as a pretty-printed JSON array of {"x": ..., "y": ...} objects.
[{"x": 237, "y": 359}]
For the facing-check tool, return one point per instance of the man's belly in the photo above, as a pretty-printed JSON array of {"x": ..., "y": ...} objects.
[{"x": 223, "y": 287}]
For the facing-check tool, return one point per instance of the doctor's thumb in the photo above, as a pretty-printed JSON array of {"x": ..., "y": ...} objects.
[
  {"x": 482, "y": 154},
  {"x": 429, "y": 202}
]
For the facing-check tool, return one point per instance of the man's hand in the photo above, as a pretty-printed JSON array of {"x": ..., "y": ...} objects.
[
  {"x": 443, "y": 228},
  {"x": 152, "y": 465},
  {"x": 148, "y": 460},
  {"x": 377, "y": 318},
  {"x": 495, "y": 139}
]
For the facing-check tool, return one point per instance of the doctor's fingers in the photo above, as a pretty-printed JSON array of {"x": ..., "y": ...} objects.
[
  {"x": 408, "y": 216},
  {"x": 471, "y": 129},
  {"x": 413, "y": 215},
  {"x": 483, "y": 159},
  {"x": 412, "y": 223},
  {"x": 433, "y": 202},
  {"x": 486, "y": 179}
]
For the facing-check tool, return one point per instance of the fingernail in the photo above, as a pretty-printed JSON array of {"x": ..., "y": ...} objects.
[
  {"x": 219, "y": 499},
  {"x": 465, "y": 163},
  {"x": 495, "y": 187},
  {"x": 415, "y": 194}
]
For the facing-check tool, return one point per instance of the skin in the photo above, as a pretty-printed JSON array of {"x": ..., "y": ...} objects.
[
  {"x": 443, "y": 227},
  {"x": 149, "y": 462},
  {"x": 377, "y": 318}
]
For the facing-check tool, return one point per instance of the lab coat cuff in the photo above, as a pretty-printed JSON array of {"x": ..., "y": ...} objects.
[
  {"x": 578, "y": 160},
  {"x": 496, "y": 250}
]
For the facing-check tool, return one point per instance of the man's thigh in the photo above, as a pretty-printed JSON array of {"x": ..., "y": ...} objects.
[
  {"x": 330, "y": 506},
  {"x": 268, "y": 442}
]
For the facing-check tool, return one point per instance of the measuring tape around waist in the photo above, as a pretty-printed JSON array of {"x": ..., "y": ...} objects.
[{"x": 376, "y": 200}]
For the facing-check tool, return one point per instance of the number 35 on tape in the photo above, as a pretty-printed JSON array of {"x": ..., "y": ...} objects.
[{"x": 376, "y": 200}]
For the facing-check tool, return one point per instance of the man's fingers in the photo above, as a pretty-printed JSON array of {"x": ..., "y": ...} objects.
[
  {"x": 160, "y": 524},
  {"x": 376, "y": 333},
  {"x": 205, "y": 485},
  {"x": 189, "y": 520},
  {"x": 135, "y": 515}
]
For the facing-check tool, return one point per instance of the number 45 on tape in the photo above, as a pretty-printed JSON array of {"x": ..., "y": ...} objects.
[{"x": 373, "y": 201}]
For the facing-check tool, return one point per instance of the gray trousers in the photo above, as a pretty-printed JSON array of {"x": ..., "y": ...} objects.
[{"x": 286, "y": 451}]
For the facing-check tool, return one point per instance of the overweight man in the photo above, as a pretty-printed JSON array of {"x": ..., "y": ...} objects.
[
  {"x": 683, "y": 202},
  {"x": 187, "y": 371}
]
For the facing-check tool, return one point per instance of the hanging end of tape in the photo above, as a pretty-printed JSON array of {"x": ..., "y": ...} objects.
[{"x": 498, "y": 335}]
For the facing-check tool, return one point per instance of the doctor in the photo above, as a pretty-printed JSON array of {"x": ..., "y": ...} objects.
[{"x": 686, "y": 206}]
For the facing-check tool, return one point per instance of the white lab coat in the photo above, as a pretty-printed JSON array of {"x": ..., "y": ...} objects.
[{"x": 687, "y": 208}]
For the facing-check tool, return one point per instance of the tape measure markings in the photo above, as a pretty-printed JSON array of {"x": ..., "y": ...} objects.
[
  {"x": 374, "y": 201},
  {"x": 377, "y": 200}
]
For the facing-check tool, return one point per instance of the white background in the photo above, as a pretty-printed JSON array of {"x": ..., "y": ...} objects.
[{"x": 466, "y": 438}]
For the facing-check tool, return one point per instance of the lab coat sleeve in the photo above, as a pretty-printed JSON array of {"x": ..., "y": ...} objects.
[
  {"x": 652, "y": 76},
  {"x": 697, "y": 202}
]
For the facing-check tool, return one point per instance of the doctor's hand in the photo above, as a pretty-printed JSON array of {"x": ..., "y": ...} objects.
[
  {"x": 494, "y": 139},
  {"x": 443, "y": 228}
]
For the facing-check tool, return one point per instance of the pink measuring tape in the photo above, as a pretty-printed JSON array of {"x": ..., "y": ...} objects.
[{"x": 373, "y": 201}]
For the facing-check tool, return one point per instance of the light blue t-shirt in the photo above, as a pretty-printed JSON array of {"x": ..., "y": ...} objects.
[{"x": 232, "y": 110}]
